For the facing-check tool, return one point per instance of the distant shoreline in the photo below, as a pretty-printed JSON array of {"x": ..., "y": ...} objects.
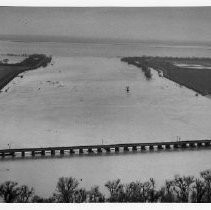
[{"x": 74, "y": 40}]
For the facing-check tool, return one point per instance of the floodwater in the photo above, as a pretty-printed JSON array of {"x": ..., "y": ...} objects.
[
  {"x": 192, "y": 66},
  {"x": 81, "y": 99}
]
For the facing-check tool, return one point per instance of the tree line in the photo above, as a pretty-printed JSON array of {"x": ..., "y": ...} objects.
[{"x": 181, "y": 189}]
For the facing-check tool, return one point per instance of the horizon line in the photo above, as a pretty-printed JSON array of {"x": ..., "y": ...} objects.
[{"x": 89, "y": 40}]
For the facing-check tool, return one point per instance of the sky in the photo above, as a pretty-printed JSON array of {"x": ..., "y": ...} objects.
[{"x": 131, "y": 24}]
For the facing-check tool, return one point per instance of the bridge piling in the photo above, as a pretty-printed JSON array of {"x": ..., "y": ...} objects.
[
  {"x": 81, "y": 151},
  {"x": 134, "y": 148},
  {"x": 116, "y": 149},
  {"x": 207, "y": 144},
  {"x": 192, "y": 145},
  {"x": 126, "y": 149},
  {"x": 99, "y": 150},
  {"x": 52, "y": 152},
  {"x": 72, "y": 151},
  {"x": 160, "y": 146},
  {"x": 42, "y": 152},
  {"x": 167, "y": 146},
  {"x": 23, "y": 154},
  {"x": 62, "y": 152},
  {"x": 151, "y": 147},
  {"x": 176, "y": 146},
  {"x": 90, "y": 150},
  {"x": 143, "y": 148},
  {"x": 108, "y": 149},
  {"x": 199, "y": 144}
]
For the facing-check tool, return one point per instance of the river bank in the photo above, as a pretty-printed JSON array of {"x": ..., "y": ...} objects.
[
  {"x": 9, "y": 71},
  {"x": 191, "y": 72}
]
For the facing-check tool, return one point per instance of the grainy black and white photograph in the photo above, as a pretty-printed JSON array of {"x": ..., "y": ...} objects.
[{"x": 105, "y": 104}]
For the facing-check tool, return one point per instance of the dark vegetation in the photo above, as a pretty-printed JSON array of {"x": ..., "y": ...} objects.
[
  {"x": 198, "y": 80},
  {"x": 10, "y": 71},
  {"x": 181, "y": 189},
  {"x": 147, "y": 71}
]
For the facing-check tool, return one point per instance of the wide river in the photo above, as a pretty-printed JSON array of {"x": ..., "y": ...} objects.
[{"x": 81, "y": 100}]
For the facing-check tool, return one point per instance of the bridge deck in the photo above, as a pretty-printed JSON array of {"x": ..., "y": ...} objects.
[{"x": 89, "y": 148}]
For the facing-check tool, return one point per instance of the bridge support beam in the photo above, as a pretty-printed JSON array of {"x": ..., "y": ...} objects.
[
  {"x": 52, "y": 152},
  {"x": 13, "y": 154},
  {"x": 134, "y": 148},
  {"x": 126, "y": 149},
  {"x": 176, "y": 146},
  {"x": 42, "y": 152},
  {"x": 90, "y": 150},
  {"x": 116, "y": 149},
  {"x": 207, "y": 144},
  {"x": 107, "y": 149},
  {"x": 23, "y": 154},
  {"x": 99, "y": 150},
  {"x": 199, "y": 144},
  {"x": 160, "y": 146},
  {"x": 151, "y": 147},
  {"x": 81, "y": 151},
  {"x": 192, "y": 145},
  {"x": 33, "y": 153},
  {"x": 167, "y": 146},
  {"x": 61, "y": 152},
  {"x": 143, "y": 148},
  {"x": 72, "y": 151},
  {"x": 184, "y": 145}
]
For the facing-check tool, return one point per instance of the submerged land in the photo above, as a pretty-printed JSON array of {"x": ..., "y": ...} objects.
[
  {"x": 9, "y": 71},
  {"x": 193, "y": 73}
]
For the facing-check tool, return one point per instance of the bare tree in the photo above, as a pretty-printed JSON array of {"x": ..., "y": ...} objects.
[
  {"x": 206, "y": 175},
  {"x": 80, "y": 196},
  {"x": 95, "y": 195},
  {"x": 199, "y": 190},
  {"x": 24, "y": 194},
  {"x": 65, "y": 189},
  {"x": 166, "y": 193},
  {"x": 133, "y": 192},
  {"x": 116, "y": 190},
  {"x": 38, "y": 199},
  {"x": 9, "y": 191},
  {"x": 182, "y": 186}
]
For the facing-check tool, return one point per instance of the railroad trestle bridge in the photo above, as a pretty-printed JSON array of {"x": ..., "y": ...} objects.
[{"x": 52, "y": 151}]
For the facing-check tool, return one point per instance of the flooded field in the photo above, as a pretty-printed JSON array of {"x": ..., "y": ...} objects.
[
  {"x": 81, "y": 99},
  {"x": 192, "y": 66}
]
